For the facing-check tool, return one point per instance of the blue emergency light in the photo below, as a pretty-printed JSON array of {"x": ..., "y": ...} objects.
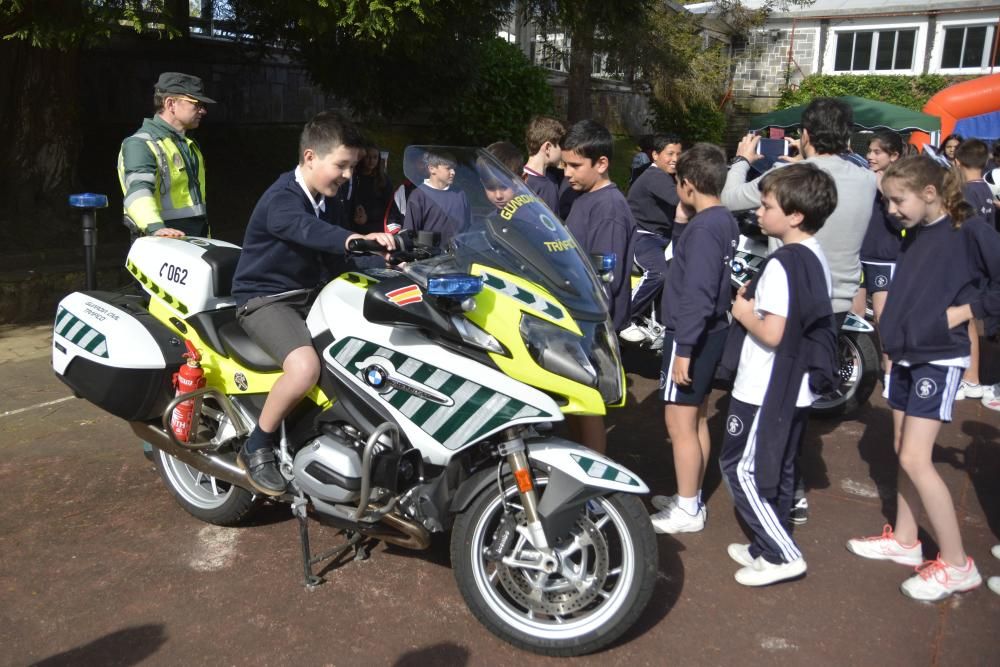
[
  {"x": 455, "y": 285},
  {"x": 88, "y": 200},
  {"x": 608, "y": 262}
]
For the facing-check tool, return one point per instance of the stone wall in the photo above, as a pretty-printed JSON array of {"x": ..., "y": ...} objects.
[{"x": 763, "y": 66}]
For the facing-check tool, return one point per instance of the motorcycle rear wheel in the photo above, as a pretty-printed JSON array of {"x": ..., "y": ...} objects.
[
  {"x": 606, "y": 576},
  {"x": 203, "y": 496},
  {"x": 859, "y": 370}
]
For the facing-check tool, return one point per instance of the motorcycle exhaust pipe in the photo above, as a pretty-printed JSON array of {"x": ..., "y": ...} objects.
[
  {"x": 402, "y": 532},
  {"x": 206, "y": 463}
]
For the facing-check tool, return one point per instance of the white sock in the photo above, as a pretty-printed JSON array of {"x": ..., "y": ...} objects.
[{"x": 689, "y": 505}]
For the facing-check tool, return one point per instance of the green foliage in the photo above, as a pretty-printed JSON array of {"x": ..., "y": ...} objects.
[
  {"x": 911, "y": 92},
  {"x": 57, "y": 24},
  {"x": 503, "y": 94},
  {"x": 696, "y": 121}
]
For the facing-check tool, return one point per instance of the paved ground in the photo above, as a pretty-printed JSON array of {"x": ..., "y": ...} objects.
[{"x": 100, "y": 566}]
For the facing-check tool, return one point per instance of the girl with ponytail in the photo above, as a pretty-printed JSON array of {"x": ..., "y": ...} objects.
[{"x": 948, "y": 272}]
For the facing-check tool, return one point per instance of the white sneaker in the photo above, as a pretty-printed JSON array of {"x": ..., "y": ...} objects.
[
  {"x": 994, "y": 584},
  {"x": 675, "y": 520},
  {"x": 968, "y": 389},
  {"x": 991, "y": 391},
  {"x": 663, "y": 502},
  {"x": 935, "y": 580},
  {"x": 632, "y": 334},
  {"x": 995, "y": 551},
  {"x": 740, "y": 553},
  {"x": 991, "y": 398},
  {"x": 761, "y": 572},
  {"x": 885, "y": 547}
]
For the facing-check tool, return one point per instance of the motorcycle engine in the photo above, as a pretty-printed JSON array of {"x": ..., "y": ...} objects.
[{"x": 328, "y": 468}]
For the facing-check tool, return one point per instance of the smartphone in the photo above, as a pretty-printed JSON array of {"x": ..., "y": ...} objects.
[{"x": 772, "y": 147}]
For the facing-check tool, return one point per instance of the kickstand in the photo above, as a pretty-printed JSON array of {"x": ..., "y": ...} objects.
[{"x": 354, "y": 540}]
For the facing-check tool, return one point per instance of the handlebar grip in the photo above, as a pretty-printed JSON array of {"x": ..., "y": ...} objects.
[{"x": 365, "y": 246}]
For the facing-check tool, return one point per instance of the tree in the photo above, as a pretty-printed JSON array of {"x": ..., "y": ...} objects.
[{"x": 593, "y": 26}]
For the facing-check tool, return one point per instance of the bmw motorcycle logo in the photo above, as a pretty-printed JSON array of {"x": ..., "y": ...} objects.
[{"x": 376, "y": 377}]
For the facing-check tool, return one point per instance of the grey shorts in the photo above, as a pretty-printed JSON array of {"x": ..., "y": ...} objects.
[{"x": 277, "y": 327}]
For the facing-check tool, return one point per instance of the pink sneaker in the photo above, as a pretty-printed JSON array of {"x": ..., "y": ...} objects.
[
  {"x": 935, "y": 580},
  {"x": 885, "y": 547}
]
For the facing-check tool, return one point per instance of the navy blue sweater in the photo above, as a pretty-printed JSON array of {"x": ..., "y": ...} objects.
[
  {"x": 432, "y": 210},
  {"x": 808, "y": 345},
  {"x": 938, "y": 267},
  {"x": 286, "y": 247},
  {"x": 696, "y": 293},
  {"x": 545, "y": 188},
  {"x": 980, "y": 198},
  {"x": 653, "y": 200},
  {"x": 601, "y": 223},
  {"x": 884, "y": 237}
]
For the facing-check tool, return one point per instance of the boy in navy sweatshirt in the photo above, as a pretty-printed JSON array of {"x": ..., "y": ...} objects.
[
  {"x": 653, "y": 200},
  {"x": 602, "y": 224},
  {"x": 289, "y": 240},
  {"x": 785, "y": 354},
  {"x": 695, "y": 314},
  {"x": 434, "y": 206},
  {"x": 543, "y": 137}
]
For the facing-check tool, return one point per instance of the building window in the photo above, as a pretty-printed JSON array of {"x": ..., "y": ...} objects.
[
  {"x": 882, "y": 50},
  {"x": 967, "y": 47}
]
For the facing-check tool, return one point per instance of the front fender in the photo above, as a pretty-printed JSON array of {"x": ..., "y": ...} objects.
[{"x": 585, "y": 466}]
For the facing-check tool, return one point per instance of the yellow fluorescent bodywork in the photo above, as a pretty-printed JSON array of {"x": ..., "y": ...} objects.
[
  {"x": 220, "y": 371},
  {"x": 500, "y": 315}
]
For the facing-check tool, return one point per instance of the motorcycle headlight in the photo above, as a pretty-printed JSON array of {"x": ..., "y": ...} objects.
[{"x": 591, "y": 359}]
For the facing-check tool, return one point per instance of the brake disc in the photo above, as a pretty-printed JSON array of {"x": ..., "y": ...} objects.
[{"x": 564, "y": 591}]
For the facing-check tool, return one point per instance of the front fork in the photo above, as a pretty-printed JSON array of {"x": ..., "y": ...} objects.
[{"x": 517, "y": 458}]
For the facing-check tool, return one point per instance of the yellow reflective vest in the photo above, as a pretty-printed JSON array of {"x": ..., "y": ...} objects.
[{"x": 162, "y": 174}]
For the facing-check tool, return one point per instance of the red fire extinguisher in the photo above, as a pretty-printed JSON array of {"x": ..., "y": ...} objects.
[{"x": 187, "y": 379}]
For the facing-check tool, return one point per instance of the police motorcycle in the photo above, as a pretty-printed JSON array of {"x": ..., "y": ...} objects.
[
  {"x": 860, "y": 361},
  {"x": 440, "y": 380}
]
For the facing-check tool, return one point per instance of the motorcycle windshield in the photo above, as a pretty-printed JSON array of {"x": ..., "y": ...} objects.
[{"x": 487, "y": 215}]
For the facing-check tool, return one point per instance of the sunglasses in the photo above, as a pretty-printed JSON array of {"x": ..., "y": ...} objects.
[{"x": 195, "y": 103}]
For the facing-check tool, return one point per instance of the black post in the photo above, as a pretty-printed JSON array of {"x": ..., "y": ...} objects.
[{"x": 88, "y": 203}]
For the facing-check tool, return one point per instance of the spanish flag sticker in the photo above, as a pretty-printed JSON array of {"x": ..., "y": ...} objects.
[{"x": 404, "y": 296}]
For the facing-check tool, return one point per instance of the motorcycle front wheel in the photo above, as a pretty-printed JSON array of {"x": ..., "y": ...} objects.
[
  {"x": 859, "y": 369},
  {"x": 605, "y": 576},
  {"x": 201, "y": 495}
]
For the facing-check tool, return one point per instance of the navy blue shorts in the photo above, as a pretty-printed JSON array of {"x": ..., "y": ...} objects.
[
  {"x": 704, "y": 359},
  {"x": 878, "y": 275},
  {"x": 924, "y": 390}
]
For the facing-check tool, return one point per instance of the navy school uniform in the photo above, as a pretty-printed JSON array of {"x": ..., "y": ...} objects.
[
  {"x": 544, "y": 187},
  {"x": 759, "y": 451},
  {"x": 602, "y": 224},
  {"x": 433, "y": 210},
  {"x": 880, "y": 247},
  {"x": 980, "y": 197},
  {"x": 287, "y": 246},
  {"x": 653, "y": 200},
  {"x": 696, "y": 298},
  {"x": 939, "y": 266}
]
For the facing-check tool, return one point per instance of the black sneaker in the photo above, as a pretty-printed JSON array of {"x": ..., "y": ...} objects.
[
  {"x": 262, "y": 471},
  {"x": 800, "y": 512}
]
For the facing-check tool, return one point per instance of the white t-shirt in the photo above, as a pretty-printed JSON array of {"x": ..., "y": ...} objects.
[{"x": 757, "y": 359}]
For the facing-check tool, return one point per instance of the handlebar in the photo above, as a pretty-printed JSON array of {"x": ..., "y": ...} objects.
[{"x": 365, "y": 246}]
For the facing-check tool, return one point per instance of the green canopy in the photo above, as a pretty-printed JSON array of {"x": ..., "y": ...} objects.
[{"x": 868, "y": 115}]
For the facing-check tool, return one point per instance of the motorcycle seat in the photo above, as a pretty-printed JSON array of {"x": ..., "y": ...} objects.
[{"x": 240, "y": 347}]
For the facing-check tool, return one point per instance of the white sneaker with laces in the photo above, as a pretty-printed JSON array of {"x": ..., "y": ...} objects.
[
  {"x": 885, "y": 547},
  {"x": 968, "y": 389},
  {"x": 632, "y": 333},
  {"x": 935, "y": 580},
  {"x": 740, "y": 553},
  {"x": 675, "y": 520},
  {"x": 761, "y": 572}
]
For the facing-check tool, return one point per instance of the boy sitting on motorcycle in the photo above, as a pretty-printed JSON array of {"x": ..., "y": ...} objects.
[{"x": 291, "y": 225}]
